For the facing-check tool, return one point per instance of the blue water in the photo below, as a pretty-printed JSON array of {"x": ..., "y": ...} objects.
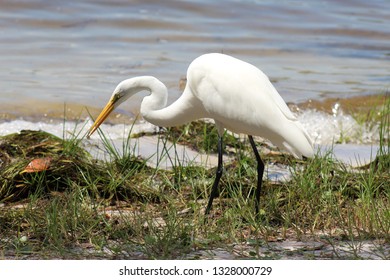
[{"x": 52, "y": 52}]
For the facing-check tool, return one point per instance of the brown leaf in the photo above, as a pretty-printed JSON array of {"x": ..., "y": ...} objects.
[{"x": 38, "y": 165}]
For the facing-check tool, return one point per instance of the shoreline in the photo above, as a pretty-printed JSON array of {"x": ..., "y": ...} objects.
[
  {"x": 119, "y": 125},
  {"x": 50, "y": 112}
]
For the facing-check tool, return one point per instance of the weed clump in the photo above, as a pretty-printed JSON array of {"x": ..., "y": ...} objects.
[
  {"x": 39, "y": 163},
  {"x": 61, "y": 164}
]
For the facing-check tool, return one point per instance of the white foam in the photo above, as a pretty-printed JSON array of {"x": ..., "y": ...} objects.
[
  {"x": 327, "y": 129},
  {"x": 77, "y": 130}
]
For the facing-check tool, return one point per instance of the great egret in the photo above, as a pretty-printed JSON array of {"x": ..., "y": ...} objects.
[{"x": 237, "y": 95}]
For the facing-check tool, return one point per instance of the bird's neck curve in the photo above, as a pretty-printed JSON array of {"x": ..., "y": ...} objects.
[
  {"x": 153, "y": 106},
  {"x": 158, "y": 93}
]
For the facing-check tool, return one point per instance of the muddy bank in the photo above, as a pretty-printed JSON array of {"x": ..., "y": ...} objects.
[
  {"x": 357, "y": 105},
  {"x": 48, "y": 112}
]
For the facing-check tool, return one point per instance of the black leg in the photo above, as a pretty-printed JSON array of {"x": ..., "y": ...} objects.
[
  {"x": 260, "y": 172},
  {"x": 214, "y": 190}
]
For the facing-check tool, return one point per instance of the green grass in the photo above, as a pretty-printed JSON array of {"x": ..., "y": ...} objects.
[{"x": 83, "y": 208}]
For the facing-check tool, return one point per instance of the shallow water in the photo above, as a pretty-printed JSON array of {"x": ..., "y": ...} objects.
[{"x": 52, "y": 52}]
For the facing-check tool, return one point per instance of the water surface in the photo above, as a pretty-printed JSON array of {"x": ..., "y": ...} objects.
[{"x": 75, "y": 52}]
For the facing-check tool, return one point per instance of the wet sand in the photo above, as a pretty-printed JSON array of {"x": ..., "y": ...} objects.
[
  {"x": 56, "y": 112},
  {"x": 355, "y": 105},
  {"x": 50, "y": 112}
]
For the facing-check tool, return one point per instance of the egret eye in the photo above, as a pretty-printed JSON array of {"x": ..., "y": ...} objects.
[{"x": 116, "y": 97}]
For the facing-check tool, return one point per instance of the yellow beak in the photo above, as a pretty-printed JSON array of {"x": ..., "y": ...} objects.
[{"x": 103, "y": 115}]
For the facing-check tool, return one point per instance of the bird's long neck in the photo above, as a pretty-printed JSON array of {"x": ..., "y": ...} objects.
[
  {"x": 153, "y": 107},
  {"x": 158, "y": 97}
]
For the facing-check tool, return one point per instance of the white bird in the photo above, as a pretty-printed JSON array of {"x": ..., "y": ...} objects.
[{"x": 237, "y": 95}]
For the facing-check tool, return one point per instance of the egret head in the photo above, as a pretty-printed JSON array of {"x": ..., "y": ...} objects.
[
  {"x": 122, "y": 92},
  {"x": 127, "y": 88}
]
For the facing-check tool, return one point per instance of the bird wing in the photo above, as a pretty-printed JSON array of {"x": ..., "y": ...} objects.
[
  {"x": 218, "y": 79},
  {"x": 273, "y": 94}
]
